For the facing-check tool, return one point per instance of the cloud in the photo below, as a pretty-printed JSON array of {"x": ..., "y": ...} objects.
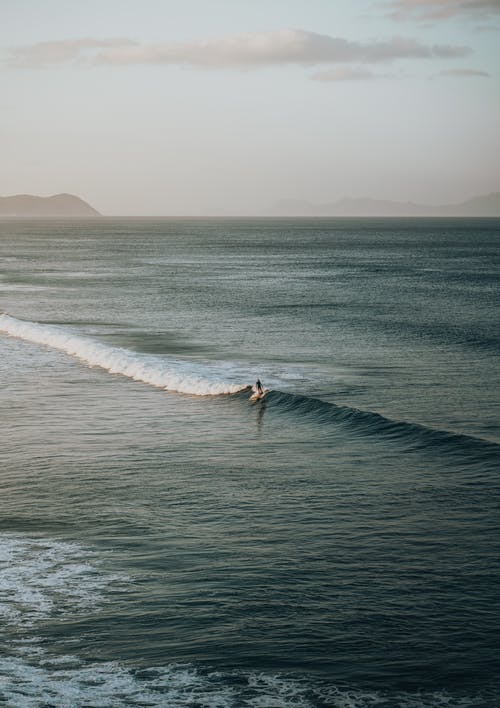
[
  {"x": 457, "y": 73},
  {"x": 290, "y": 46},
  {"x": 265, "y": 49},
  {"x": 45, "y": 54},
  {"x": 444, "y": 9}
]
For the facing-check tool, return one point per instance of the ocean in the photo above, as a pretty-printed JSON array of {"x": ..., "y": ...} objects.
[{"x": 165, "y": 541}]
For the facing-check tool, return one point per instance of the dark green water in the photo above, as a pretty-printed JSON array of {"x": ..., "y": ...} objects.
[{"x": 164, "y": 541}]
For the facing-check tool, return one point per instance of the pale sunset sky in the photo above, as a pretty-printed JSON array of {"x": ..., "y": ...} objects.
[{"x": 169, "y": 107}]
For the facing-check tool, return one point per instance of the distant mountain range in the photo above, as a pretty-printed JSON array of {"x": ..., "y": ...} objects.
[
  {"x": 60, "y": 205},
  {"x": 485, "y": 205},
  {"x": 71, "y": 206}
]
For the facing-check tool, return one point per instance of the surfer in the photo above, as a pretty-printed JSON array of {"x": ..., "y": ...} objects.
[{"x": 258, "y": 387}]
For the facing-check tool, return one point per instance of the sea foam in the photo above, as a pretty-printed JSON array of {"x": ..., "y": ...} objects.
[
  {"x": 171, "y": 374},
  {"x": 41, "y": 578}
]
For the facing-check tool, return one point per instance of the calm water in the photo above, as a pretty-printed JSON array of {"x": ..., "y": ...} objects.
[{"x": 166, "y": 542}]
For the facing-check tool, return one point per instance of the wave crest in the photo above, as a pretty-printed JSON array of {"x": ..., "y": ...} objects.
[{"x": 172, "y": 375}]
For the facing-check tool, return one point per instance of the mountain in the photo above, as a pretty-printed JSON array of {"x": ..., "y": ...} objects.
[
  {"x": 60, "y": 205},
  {"x": 485, "y": 205}
]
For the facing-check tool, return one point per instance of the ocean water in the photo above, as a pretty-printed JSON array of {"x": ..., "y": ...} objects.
[{"x": 164, "y": 541}]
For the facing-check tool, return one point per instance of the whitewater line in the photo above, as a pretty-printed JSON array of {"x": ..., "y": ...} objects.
[{"x": 176, "y": 376}]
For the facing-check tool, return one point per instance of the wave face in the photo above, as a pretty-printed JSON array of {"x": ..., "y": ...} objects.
[
  {"x": 171, "y": 375},
  {"x": 412, "y": 436}
]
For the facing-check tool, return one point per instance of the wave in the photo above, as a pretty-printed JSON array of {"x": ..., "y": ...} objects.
[
  {"x": 413, "y": 436},
  {"x": 191, "y": 377},
  {"x": 171, "y": 375}
]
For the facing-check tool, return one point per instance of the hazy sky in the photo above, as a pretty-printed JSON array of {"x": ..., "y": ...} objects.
[{"x": 190, "y": 106}]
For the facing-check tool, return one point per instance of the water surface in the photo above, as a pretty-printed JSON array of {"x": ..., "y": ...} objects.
[{"x": 166, "y": 542}]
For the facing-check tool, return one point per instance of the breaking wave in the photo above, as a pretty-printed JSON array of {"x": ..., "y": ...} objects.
[
  {"x": 172, "y": 375},
  {"x": 191, "y": 377}
]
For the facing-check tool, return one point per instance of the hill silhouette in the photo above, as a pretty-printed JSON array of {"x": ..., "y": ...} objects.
[
  {"x": 484, "y": 205},
  {"x": 59, "y": 205}
]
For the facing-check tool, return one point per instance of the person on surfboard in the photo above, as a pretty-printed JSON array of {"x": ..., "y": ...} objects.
[{"x": 258, "y": 387}]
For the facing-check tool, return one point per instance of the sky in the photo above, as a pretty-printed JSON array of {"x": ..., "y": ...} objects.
[{"x": 192, "y": 107}]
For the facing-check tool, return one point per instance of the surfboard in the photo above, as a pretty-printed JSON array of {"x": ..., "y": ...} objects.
[{"x": 256, "y": 396}]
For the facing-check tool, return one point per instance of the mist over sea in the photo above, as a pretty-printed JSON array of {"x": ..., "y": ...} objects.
[{"x": 164, "y": 541}]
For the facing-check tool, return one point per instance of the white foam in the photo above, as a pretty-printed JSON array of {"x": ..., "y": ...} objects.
[
  {"x": 29, "y": 685},
  {"x": 40, "y": 579},
  {"x": 172, "y": 375},
  {"x": 109, "y": 684}
]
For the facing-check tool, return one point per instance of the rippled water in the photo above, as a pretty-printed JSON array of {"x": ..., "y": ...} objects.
[{"x": 165, "y": 541}]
